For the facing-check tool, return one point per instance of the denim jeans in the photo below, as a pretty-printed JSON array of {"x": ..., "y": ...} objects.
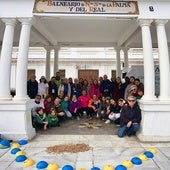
[{"x": 128, "y": 131}]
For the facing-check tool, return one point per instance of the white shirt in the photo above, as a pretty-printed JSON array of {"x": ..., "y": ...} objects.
[
  {"x": 42, "y": 88},
  {"x": 33, "y": 110}
]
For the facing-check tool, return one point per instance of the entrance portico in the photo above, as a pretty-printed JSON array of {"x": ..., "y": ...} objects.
[{"x": 56, "y": 31}]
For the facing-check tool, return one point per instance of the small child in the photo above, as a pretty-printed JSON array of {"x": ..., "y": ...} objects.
[
  {"x": 65, "y": 105},
  {"x": 41, "y": 119},
  {"x": 52, "y": 118}
]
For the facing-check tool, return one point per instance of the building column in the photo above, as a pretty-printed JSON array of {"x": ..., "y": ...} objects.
[
  {"x": 56, "y": 55},
  {"x": 118, "y": 64},
  {"x": 149, "y": 73},
  {"x": 5, "y": 60},
  {"x": 126, "y": 62},
  {"x": 169, "y": 53},
  {"x": 0, "y": 50},
  {"x": 163, "y": 60},
  {"x": 48, "y": 58},
  {"x": 22, "y": 61}
]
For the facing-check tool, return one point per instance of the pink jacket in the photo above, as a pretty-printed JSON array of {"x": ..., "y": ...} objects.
[
  {"x": 84, "y": 100},
  {"x": 94, "y": 89}
]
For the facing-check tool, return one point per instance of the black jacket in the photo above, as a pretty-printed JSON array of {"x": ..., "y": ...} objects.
[
  {"x": 32, "y": 88},
  {"x": 130, "y": 114}
]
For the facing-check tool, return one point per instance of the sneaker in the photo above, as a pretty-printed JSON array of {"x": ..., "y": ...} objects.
[
  {"x": 107, "y": 121},
  {"x": 78, "y": 118}
]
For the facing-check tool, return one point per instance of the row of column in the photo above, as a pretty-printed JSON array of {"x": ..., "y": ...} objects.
[
  {"x": 5, "y": 61},
  {"x": 48, "y": 60},
  {"x": 118, "y": 61},
  {"x": 22, "y": 60},
  {"x": 149, "y": 72}
]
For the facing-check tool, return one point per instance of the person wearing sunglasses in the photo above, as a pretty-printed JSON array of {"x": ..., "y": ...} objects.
[{"x": 130, "y": 118}]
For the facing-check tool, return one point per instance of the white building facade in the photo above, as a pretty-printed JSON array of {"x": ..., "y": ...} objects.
[
  {"x": 118, "y": 24},
  {"x": 71, "y": 60}
]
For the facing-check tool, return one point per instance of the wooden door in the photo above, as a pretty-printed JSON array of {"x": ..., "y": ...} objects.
[
  {"x": 88, "y": 74},
  {"x": 114, "y": 73}
]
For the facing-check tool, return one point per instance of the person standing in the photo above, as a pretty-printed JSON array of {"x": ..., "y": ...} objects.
[
  {"x": 105, "y": 87},
  {"x": 32, "y": 87},
  {"x": 65, "y": 87},
  {"x": 43, "y": 87},
  {"x": 76, "y": 88},
  {"x": 58, "y": 80},
  {"x": 53, "y": 89},
  {"x": 128, "y": 88},
  {"x": 95, "y": 89}
]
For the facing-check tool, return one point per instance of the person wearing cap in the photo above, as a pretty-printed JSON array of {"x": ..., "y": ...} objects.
[
  {"x": 130, "y": 118},
  {"x": 43, "y": 87}
]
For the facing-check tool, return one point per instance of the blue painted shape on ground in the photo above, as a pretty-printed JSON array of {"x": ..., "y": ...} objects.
[{"x": 136, "y": 161}]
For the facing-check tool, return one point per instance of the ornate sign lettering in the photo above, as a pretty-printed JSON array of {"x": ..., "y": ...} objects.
[{"x": 86, "y": 7}]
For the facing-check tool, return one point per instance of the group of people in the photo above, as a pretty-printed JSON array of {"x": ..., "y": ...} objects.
[{"x": 109, "y": 100}]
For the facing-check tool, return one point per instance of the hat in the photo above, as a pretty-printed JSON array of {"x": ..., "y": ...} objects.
[{"x": 42, "y": 77}]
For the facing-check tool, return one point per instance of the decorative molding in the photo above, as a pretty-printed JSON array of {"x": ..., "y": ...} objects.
[
  {"x": 26, "y": 21},
  {"x": 145, "y": 22},
  {"x": 9, "y": 21},
  {"x": 161, "y": 21}
]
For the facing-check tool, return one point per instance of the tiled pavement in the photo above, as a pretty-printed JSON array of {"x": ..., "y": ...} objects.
[
  {"x": 106, "y": 149},
  {"x": 73, "y": 127}
]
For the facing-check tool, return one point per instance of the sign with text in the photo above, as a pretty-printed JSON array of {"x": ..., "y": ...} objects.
[{"x": 86, "y": 7}]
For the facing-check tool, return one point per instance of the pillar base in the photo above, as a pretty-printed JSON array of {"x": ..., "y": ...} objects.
[
  {"x": 149, "y": 98},
  {"x": 5, "y": 98},
  {"x": 21, "y": 98},
  {"x": 153, "y": 138},
  {"x": 16, "y": 123},
  {"x": 155, "y": 121},
  {"x": 162, "y": 98}
]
